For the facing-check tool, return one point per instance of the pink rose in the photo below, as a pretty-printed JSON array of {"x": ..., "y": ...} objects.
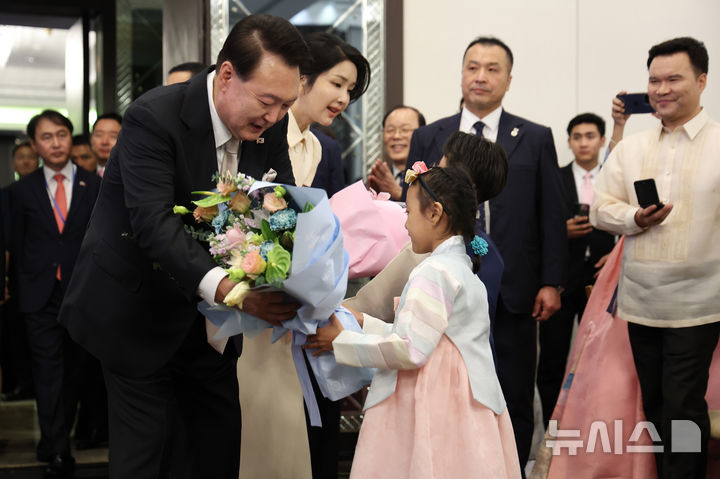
[
  {"x": 273, "y": 203},
  {"x": 205, "y": 214},
  {"x": 234, "y": 237},
  {"x": 240, "y": 203},
  {"x": 253, "y": 263}
]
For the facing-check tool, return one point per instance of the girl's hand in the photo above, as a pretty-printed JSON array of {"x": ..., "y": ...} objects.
[{"x": 323, "y": 337}]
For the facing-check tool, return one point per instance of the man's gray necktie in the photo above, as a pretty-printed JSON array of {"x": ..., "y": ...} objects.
[{"x": 230, "y": 159}]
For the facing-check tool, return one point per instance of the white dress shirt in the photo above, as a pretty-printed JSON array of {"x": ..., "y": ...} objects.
[
  {"x": 491, "y": 121},
  {"x": 211, "y": 280},
  {"x": 671, "y": 271}
]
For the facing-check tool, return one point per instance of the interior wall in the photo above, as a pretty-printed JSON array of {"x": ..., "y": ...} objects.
[{"x": 571, "y": 56}]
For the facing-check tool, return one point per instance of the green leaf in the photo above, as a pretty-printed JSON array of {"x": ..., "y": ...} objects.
[
  {"x": 260, "y": 280},
  {"x": 278, "y": 264},
  {"x": 308, "y": 207},
  {"x": 212, "y": 200},
  {"x": 268, "y": 234}
]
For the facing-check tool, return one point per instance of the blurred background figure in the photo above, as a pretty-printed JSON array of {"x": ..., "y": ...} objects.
[
  {"x": 104, "y": 135},
  {"x": 398, "y": 124},
  {"x": 183, "y": 72},
  {"x": 25, "y": 160},
  {"x": 82, "y": 155}
]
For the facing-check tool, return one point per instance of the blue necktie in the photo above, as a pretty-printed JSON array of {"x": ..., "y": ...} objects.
[{"x": 479, "y": 128}]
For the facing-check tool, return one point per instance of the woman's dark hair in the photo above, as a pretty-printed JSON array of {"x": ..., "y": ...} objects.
[
  {"x": 255, "y": 34},
  {"x": 454, "y": 187},
  {"x": 486, "y": 162},
  {"x": 327, "y": 50}
]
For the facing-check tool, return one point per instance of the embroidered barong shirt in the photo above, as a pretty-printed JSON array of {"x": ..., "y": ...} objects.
[{"x": 671, "y": 271}]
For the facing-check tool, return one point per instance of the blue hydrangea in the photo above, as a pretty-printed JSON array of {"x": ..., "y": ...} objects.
[
  {"x": 283, "y": 220},
  {"x": 220, "y": 221},
  {"x": 265, "y": 248}
]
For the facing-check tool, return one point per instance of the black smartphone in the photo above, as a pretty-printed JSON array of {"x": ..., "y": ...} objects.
[
  {"x": 582, "y": 209},
  {"x": 647, "y": 193},
  {"x": 636, "y": 103}
]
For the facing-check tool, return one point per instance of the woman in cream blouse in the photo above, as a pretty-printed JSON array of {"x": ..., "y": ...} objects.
[{"x": 274, "y": 433}]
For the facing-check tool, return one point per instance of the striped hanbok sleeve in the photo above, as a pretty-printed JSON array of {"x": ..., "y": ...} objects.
[{"x": 419, "y": 324}]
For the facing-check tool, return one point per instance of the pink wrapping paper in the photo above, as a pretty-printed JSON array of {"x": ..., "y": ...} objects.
[
  {"x": 605, "y": 388},
  {"x": 373, "y": 228}
]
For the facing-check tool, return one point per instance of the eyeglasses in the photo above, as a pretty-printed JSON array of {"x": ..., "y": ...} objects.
[{"x": 405, "y": 130}]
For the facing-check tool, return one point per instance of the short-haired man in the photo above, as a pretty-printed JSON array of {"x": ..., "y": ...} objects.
[
  {"x": 133, "y": 303},
  {"x": 526, "y": 220},
  {"x": 82, "y": 155},
  {"x": 398, "y": 124},
  {"x": 668, "y": 290},
  {"x": 587, "y": 252},
  {"x": 183, "y": 72},
  {"x": 105, "y": 132},
  {"x": 50, "y": 212}
]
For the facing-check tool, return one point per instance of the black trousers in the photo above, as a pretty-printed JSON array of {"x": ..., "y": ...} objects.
[
  {"x": 672, "y": 366},
  {"x": 555, "y": 336},
  {"x": 55, "y": 373},
  {"x": 516, "y": 351},
  {"x": 92, "y": 420},
  {"x": 182, "y": 421}
]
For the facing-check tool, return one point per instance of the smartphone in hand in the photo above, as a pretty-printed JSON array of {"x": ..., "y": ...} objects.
[
  {"x": 647, "y": 194},
  {"x": 636, "y": 103},
  {"x": 582, "y": 209}
]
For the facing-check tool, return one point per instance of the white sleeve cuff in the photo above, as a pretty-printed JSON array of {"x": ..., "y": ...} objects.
[
  {"x": 209, "y": 284},
  {"x": 373, "y": 325}
]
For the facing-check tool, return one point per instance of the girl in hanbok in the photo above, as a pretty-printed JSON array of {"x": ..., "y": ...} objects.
[
  {"x": 435, "y": 407},
  {"x": 275, "y": 442}
]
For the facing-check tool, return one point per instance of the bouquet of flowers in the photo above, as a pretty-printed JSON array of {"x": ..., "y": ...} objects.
[
  {"x": 373, "y": 227},
  {"x": 267, "y": 235}
]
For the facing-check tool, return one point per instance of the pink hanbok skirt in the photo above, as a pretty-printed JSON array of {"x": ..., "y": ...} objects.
[{"x": 432, "y": 427}]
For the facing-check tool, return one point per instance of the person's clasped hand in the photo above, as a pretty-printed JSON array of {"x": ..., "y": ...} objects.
[{"x": 322, "y": 340}]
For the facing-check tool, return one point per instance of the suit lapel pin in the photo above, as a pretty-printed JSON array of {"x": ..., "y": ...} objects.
[
  {"x": 514, "y": 132},
  {"x": 260, "y": 140},
  {"x": 81, "y": 183}
]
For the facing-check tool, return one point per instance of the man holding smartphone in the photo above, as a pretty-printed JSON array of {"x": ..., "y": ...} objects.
[
  {"x": 671, "y": 260},
  {"x": 588, "y": 249}
]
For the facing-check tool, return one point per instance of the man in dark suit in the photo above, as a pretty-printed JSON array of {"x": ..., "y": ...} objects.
[
  {"x": 50, "y": 212},
  {"x": 526, "y": 220},
  {"x": 588, "y": 249},
  {"x": 141, "y": 272}
]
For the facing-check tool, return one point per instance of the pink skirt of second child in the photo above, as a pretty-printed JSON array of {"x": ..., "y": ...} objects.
[{"x": 432, "y": 427}]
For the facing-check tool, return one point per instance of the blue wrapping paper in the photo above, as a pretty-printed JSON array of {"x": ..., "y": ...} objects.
[{"x": 318, "y": 279}]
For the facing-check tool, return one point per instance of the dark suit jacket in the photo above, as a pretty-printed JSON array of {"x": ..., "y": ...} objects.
[
  {"x": 527, "y": 219},
  {"x": 133, "y": 298},
  {"x": 330, "y": 175},
  {"x": 581, "y": 269},
  {"x": 36, "y": 244}
]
